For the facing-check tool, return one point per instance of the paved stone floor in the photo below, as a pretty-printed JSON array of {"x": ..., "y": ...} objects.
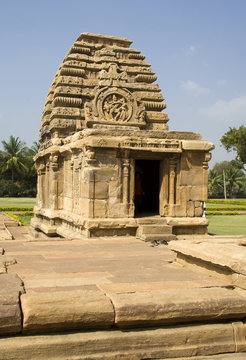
[
  {"x": 113, "y": 298},
  {"x": 114, "y": 265}
]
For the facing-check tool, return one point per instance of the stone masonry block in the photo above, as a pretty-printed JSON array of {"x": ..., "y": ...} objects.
[
  {"x": 117, "y": 210},
  {"x": 114, "y": 189},
  {"x": 101, "y": 190},
  {"x": 100, "y": 208},
  {"x": 10, "y": 314},
  {"x": 192, "y": 177},
  {"x": 177, "y": 306},
  {"x": 190, "y": 208},
  {"x": 198, "y": 211},
  {"x": 172, "y": 342},
  {"x": 105, "y": 174},
  {"x": 66, "y": 310}
]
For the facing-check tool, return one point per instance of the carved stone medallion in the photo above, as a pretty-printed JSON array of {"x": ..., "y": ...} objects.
[{"x": 114, "y": 106}]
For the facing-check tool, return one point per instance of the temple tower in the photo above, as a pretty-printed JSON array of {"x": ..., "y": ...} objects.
[{"x": 103, "y": 136}]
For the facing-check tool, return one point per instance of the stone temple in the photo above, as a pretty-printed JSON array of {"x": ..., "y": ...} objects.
[{"x": 103, "y": 131}]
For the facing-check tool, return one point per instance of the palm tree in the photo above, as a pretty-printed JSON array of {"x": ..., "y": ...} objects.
[
  {"x": 33, "y": 150},
  {"x": 215, "y": 183},
  {"x": 30, "y": 176},
  {"x": 29, "y": 155},
  {"x": 14, "y": 157},
  {"x": 235, "y": 180}
]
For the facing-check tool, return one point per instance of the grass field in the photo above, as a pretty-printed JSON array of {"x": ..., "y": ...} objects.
[
  {"x": 25, "y": 219},
  {"x": 227, "y": 224},
  {"x": 227, "y": 205},
  {"x": 17, "y": 202}
]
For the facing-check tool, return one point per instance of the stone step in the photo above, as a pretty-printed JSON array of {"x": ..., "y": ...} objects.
[
  {"x": 157, "y": 237},
  {"x": 10, "y": 223},
  {"x": 155, "y": 232},
  {"x": 154, "y": 229},
  {"x": 51, "y": 311},
  {"x": 211, "y": 342},
  {"x": 151, "y": 220}
]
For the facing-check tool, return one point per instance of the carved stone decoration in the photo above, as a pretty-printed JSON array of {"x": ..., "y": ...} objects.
[
  {"x": 54, "y": 162},
  {"x": 89, "y": 156},
  {"x": 112, "y": 76},
  {"x": 105, "y": 54},
  {"x": 114, "y": 106}
]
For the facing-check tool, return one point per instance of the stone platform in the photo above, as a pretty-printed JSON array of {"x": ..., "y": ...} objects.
[{"x": 121, "y": 298}]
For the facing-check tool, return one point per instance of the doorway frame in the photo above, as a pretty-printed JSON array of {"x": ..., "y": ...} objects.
[{"x": 163, "y": 180}]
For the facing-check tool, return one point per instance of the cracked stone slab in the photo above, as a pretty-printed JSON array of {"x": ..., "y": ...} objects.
[
  {"x": 10, "y": 313},
  {"x": 66, "y": 310},
  {"x": 7, "y": 260},
  {"x": 159, "y": 285},
  {"x": 177, "y": 306}
]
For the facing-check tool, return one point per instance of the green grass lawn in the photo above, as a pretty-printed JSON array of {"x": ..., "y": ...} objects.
[
  {"x": 227, "y": 224},
  {"x": 25, "y": 219},
  {"x": 225, "y": 205},
  {"x": 17, "y": 202}
]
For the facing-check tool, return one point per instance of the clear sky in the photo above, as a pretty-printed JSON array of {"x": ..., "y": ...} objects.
[{"x": 196, "y": 47}]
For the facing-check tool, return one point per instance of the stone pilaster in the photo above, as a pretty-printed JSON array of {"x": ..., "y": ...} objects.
[
  {"x": 71, "y": 182},
  {"x": 54, "y": 166},
  {"x": 172, "y": 185},
  {"x": 46, "y": 198},
  {"x": 131, "y": 188},
  {"x": 125, "y": 182},
  {"x": 207, "y": 158},
  {"x": 40, "y": 184}
]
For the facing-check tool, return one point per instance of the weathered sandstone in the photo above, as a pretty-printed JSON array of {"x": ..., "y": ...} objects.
[
  {"x": 10, "y": 313},
  {"x": 66, "y": 310},
  {"x": 103, "y": 127},
  {"x": 171, "y": 342}
]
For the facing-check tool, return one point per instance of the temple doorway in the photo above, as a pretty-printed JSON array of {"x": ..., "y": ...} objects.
[{"x": 147, "y": 187}]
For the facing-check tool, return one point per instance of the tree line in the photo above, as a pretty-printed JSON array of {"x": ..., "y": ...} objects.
[
  {"x": 18, "y": 176},
  {"x": 228, "y": 178}
]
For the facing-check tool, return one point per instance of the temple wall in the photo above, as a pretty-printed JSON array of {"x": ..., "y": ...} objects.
[
  {"x": 99, "y": 184},
  {"x": 103, "y": 186},
  {"x": 92, "y": 190},
  {"x": 192, "y": 185},
  {"x": 183, "y": 184}
]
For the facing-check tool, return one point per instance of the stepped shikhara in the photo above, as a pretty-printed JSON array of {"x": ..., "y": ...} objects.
[{"x": 107, "y": 164}]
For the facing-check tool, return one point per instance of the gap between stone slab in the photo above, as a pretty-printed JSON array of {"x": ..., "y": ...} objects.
[{"x": 105, "y": 294}]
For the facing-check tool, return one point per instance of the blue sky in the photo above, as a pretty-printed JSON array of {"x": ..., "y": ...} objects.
[{"x": 197, "y": 49}]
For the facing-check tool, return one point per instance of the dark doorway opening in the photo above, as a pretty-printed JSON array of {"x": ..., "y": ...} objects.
[{"x": 147, "y": 187}]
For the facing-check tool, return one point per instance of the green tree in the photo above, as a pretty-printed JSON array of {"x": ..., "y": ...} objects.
[
  {"x": 33, "y": 150},
  {"x": 234, "y": 176},
  {"x": 235, "y": 180},
  {"x": 215, "y": 183},
  {"x": 29, "y": 180},
  {"x": 235, "y": 139},
  {"x": 13, "y": 157}
]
